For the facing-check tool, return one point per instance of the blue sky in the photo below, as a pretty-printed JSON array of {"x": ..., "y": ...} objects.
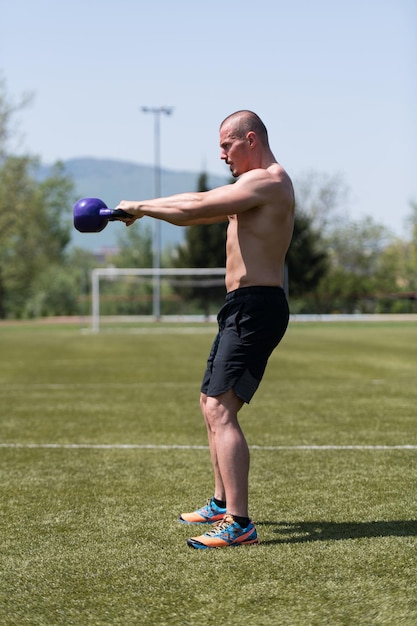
[{"x": 335, "y": 83}]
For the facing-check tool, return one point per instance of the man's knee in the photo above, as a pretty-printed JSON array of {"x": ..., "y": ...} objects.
[
  {"x": 223, "y": 409},
  {"x": 203, "y": 402}
]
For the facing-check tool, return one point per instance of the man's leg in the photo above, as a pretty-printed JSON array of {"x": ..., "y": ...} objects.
[
  {"x": 219, "y": 491},
  {"x": 230, "y": 455},
  {"x": 229, "y": 451}
]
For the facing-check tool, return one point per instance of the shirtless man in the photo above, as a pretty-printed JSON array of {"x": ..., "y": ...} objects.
[{"x": 259, "y": 207}]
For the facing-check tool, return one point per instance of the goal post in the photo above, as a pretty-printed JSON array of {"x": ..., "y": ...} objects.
[{"x": 208, "y": 277}]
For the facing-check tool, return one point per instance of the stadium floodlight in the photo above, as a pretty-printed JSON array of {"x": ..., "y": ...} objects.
[{"x": 157, "y": 112}]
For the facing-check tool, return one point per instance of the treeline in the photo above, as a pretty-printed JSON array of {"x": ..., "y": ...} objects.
[{"x": 334, "y": 264}]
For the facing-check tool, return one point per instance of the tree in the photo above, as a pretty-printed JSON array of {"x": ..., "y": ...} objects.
[
  {"x": 412, "y": 222},
  {"x": 356, "y": 272},
  {"x": 307, "y": 258},
  {"x": 398, "y": 268},
  {"x": 34, "y": 221},
  {"x": 8, "y": 108},
  {"x": 34, "y": 228},
  {"x": 412, "y": 250},
  {"x": 135, "y": 247},
  {"x": 319, "y": 198},
  {"x": 204, "y": 246},
  {"x": 324, "y": 198},
  {"x": 130, "y": 296}
]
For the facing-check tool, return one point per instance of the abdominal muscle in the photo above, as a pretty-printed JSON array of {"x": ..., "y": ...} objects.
[{"x": 254, "y": 258}]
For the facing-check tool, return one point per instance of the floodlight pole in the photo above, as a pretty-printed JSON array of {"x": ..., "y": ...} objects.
[{"x": 157, "y": 111}]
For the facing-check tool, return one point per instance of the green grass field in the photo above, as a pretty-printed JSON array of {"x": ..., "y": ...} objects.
[{"x": 102, "y": 446}]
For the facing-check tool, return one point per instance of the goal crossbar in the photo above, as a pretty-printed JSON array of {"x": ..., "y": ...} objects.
[{"x": 155, "y": 273}]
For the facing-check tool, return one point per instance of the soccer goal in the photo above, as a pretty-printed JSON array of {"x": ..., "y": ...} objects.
[{"x": 175, "y": 294}]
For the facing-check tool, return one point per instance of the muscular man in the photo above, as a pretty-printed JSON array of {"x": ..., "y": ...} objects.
[{"x": 259, "y": 207}]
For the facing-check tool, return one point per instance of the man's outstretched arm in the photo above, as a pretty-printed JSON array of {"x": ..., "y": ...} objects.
[{"x": 206, "y": 207}]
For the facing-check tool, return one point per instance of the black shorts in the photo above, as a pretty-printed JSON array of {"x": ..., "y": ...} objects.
[{"x": 251, "y": 324}]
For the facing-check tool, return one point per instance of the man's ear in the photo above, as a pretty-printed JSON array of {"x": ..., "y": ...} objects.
[{"x": 251, "y": 137}]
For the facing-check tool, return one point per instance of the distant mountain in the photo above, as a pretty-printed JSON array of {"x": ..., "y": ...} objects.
[{"x": 113, "y": 180}]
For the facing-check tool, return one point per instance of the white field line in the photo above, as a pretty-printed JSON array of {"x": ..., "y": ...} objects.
[{"x": 133, "y": 446}]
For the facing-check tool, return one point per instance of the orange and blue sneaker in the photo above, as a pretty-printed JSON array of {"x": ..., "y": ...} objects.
[
  {"x": 206, "y": 515},
  {"x": 225, "y": 533}
]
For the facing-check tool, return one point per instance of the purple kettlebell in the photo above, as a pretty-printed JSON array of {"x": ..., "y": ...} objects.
[{"x": 91, "y": 215}]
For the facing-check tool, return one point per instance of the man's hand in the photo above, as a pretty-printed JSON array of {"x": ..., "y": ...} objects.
[{"x": 131, "y": 207}]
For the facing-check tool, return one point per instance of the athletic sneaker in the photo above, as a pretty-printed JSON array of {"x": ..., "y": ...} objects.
[
  {"x": 206, "y": 515},
  {"x": 225, "y": 533}
]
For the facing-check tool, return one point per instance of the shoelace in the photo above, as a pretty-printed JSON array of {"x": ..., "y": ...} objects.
[
  {"x": 207, "y": 507},
  {"x": 221, "y": 525}
]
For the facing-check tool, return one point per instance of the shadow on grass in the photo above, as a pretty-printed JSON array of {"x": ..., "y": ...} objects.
[{"x": 301, "y": 532}]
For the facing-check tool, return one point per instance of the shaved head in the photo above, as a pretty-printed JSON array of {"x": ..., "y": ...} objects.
[{"x": 243, "y": 122}]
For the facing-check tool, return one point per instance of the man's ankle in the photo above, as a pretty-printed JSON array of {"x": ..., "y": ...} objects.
[{"x": 242, "y": 521}]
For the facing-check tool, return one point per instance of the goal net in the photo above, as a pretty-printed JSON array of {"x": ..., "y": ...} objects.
[{"x": 133, "y": 294}]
